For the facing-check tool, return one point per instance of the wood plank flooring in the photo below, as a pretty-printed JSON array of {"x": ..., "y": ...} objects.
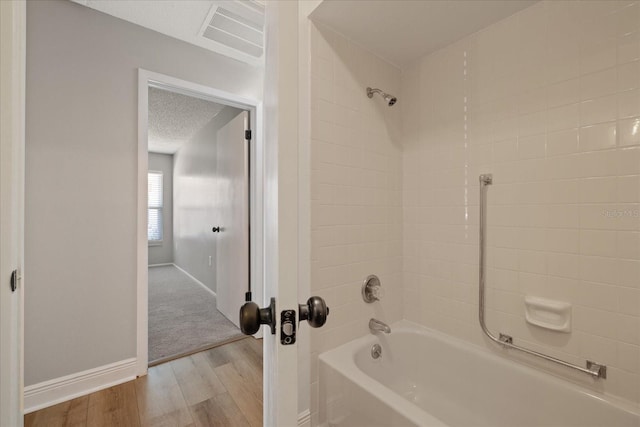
[{"x": 218, "y": 387}]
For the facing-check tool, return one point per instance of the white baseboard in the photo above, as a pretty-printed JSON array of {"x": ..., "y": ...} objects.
[
  {"x": 195, "y": 280},
  {"x": 164, "y": 264},
  {"x": 304, "y": 419},
  {"x": 49, "y": 393}
]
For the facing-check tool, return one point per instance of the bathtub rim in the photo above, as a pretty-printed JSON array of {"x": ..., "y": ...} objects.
[
  {"x": 343, "y": 360},
  {"x": 347, "y": 367}
]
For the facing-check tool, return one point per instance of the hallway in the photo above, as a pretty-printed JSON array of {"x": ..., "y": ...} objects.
[{"x": 218, "y": 387}]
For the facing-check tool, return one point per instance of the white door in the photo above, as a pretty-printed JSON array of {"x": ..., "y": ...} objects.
[
  {"x": 12, "y": 49},
  {"x": 232, "y": 245},
  {"x": 280, "y": 197}
]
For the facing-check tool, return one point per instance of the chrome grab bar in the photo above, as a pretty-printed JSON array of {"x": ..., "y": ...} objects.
[{"x": 594, "y": 369}]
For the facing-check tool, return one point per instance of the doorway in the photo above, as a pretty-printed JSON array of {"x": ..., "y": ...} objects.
[
  {"x": 197, "y": 257},
  {"x": 280, "y": 167}
]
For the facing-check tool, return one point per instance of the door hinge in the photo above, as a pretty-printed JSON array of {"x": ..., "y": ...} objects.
[
  {"x": 247, "y": 134},
  {"x": 14, "y": 280}
]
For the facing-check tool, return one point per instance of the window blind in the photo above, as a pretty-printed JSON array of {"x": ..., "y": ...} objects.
[{"x": 154, "y": 212}]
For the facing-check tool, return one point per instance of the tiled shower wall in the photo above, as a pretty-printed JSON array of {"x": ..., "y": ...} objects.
[
  {"x": 356, "y": 206},
  {"x": 548, "y": 101}
]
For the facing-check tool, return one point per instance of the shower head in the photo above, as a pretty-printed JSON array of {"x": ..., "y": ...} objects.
[{"x": 389, "y": 99}]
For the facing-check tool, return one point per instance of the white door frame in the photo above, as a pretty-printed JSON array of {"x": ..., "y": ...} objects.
[
  {"x": 12, "y": 145},
  {"x": 148, "y": 79}
]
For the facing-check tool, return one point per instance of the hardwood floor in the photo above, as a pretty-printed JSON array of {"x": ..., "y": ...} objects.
[{"x": 218, "y": 387}]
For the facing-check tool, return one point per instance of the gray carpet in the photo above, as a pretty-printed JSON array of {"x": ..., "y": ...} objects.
[{"x": 182, "y": 316}]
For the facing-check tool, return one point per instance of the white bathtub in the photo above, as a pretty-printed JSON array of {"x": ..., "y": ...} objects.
[{"x": 425, "y": 378}]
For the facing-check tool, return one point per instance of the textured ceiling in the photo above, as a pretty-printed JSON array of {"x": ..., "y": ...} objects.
[{"x": 176, "y": 118}]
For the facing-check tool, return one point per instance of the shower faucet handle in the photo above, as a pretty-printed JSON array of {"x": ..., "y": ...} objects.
[{"x": 372, "y": 289}]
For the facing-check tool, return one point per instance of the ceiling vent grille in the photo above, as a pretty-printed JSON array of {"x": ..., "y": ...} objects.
[{"x": 238, "y": 25}]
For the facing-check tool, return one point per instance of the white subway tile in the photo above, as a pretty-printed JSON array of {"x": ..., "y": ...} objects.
[
  {"x": 597, "y": 217},
  {"x": 323, "y": 131},
  {"x": 628, "y": 215},
  {"x": 563, "y": 265},
  {"x": 562, "y": 142},
  {"x": 628, "y": 189},
  {"x": 505, "y": 151},
  {"x": 629, "y": 357},
  {"x": 564, "y": 167},
  {"x": 598, "y": 190},
  {"x": 558, "y": 240},
  {"x": 505, "y": 129},
  {"x": 629, "y": 131},
  {"x": 629, "y": 76},
  {"x": 596, "y": 295},
  {"x": 628, "y": 301},
  {"x": 629, "y": 48},
  {"x": 554, "y": 287},
  {"x": 322, "y": 89},
  {"x": 629, "y": 103},
  {"x": 629, "y": 273},
  {"x": 559, "y": 216},
  {"x": 532, "y": 261},
  {"x": 598, "y": 110},
  {"x": 628, "y": 328},
  {"x": 326, "y": 111},
  {"x": 504, "y": 258},
  {"x": 599, "y": 163},
  {"x": 532, "y": 100},
  {"x": 597, "y": 322},
  {"x": 564, "y": 117},
  {"x": 597, "y": 54},
  {"x": 597, "y": 137},
  {"x": 564, "y": 191},
  {"x": 566, "y": 92},
  {"x": 598, "y": 84},
  {"x": 531, "y": 147},
  {"x": 598, "y": 243},
  {"x": 564, "y": 61},
  {"x": 628, "y": 160},
  {"x": 628, "y": 244},
  {"x": 322, "y": 68},
  {"x": 532, "y": 124},
  {"x": 599, "y": 269},
  {"x": 604, "y": 350}
]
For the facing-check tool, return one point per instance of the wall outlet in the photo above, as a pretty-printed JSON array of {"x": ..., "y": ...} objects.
[{"x": 209, "y": 260}]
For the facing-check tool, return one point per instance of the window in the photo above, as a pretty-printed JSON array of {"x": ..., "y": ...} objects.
[{"x": 154, "y": 212}]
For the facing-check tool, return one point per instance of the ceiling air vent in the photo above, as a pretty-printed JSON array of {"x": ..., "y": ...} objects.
[{"x": 238, "y": 25}]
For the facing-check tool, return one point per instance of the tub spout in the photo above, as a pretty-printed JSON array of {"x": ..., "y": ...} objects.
[{"x": 376, "y": 325}]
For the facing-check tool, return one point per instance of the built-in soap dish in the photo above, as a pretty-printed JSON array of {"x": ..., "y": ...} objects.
[{"x": 548, "y": 314}]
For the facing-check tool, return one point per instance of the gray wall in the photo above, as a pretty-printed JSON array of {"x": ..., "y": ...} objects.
[
  {"x": 163, "y": 252},
  {"x": 194, "y": 174},
  {"x": 81, "y": 177}
]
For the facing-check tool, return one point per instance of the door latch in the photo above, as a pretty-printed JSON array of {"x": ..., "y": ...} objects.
[{"x": 288, "y": 327}]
